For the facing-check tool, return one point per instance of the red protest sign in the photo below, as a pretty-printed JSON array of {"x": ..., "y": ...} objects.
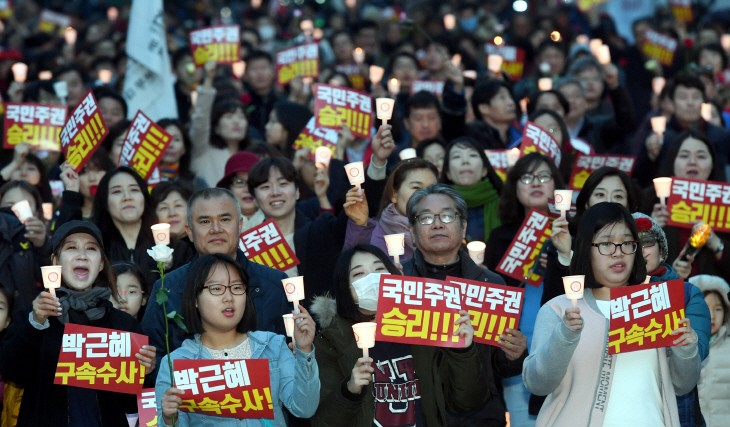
[
  {"x": 266, "y": 245},
  {"x": 296, "y": 61},
  {"x": 694, "y": 200},
  {"x": 644, "y": 316},
  {"x": 144, "y": 145},
  {"x": 513, "y": 58},
  {"x": 658, "y": 46},
  {"x": 99, "y": 358},
  {"x": 416, "y": 310},
  {"x": 435, "y": 87},
  {"x": 38, "y": 125},
  {"x": 522, "y": 253},
  {"x": 225, "y": 388},
  {"x": 493, "y": 308},
  {"x": 682, "y": 10},
  {"x": 6, "y": 9},
  {"x": 83, "y": 132},
  {"x": 354, "y": 74},
  {"x": 313, "y": 137},
  {"x": 498, "y": 159},
  {"x": 586, "y": 5},
  {"x": 220, "y": 43},
  {"x": 53, "y": 22},
  {"x": 585, "y": 165},
  {"x": 337, "y": 106},
  {"x": 147, "y": 408},
  {"x": 537, "y": 139}
]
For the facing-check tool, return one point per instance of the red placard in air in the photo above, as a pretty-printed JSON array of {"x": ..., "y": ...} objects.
[
  {"x": 101, "y": 359},
  {"x": 498, "y": 159},
  {"x": 220, "y": 43},
  {"x": 682, "y": 10},
  {"x": 354, "y": 74},
  {"x": 144, "y": 146},
  {"x": 38, "y": 125},
  {"x": 147, "y": 408},
  {"x": 312, "y": 137},
  {"x": 267, "y": 246},
  {"x": 83, "y": 132},
  {"x": 416, "y": 310},
  {"x": 336, "y": 106},
  {"x": 537, "y": 140},
  {"x": 522, "y": 252},
  {"x": 644, "y": 316},
  {"x": 302, "y": 60},
  {"x": 225, "y": 388},
  {"x": 513, "y": 58},
  {"x": 585, "y": 165},
  {"x": 694, "y": 200},
  {"x": 660, "y": 47}
]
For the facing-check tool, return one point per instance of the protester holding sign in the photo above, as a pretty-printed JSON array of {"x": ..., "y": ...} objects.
[
  {"x": 33, "y": 344},
  {"x": 361, "y": 391},
  {"x": 218, "y": 308},
  {"x": 175, "y": 165},
  {"x": 569, "y": 342}
]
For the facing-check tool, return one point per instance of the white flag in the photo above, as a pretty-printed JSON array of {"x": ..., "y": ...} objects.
[{"x": 148, "y": 84}]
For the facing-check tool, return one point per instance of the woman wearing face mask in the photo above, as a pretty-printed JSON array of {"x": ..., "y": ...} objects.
[
  {"x": 689, "y": 156},
  {"x": 468, "y": 171},
  {"x": 236, "y": 180},
  {"x": 175, "y": 163},
  {"x": 218, "y": 308},
  {"x": 407, "y": 177},
  {"x": 569, "y": 342},
  {"x": 444, "y": 378},
  {"x": 170, "y": 203},
  {"x": 33, "y": 343},
  {"x": 77, "y": 199}
]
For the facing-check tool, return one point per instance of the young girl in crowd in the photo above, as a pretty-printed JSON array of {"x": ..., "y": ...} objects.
[
  {"x": 30, "y": 351},
  {"x": 218, "y": 308},
  {"x": 446, "y": 380},
  {"x": 131, "y": 294}
]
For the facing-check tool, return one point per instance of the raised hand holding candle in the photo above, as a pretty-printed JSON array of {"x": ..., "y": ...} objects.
[
  {"x": 659, "y": 125},
  {"x": 476, "y": 251},
  {"x": 20, "y": 72},
  {"x": 358, "y": 55},
  {"x": 70, "y": 36},
  {"x": 289, "y": 326},
  {"x": 48, "y": 211},
  {"x": 355, "y": 173},
  {"x": 393, "y": 87},
  {"x": 574, "y": 287},
  {"x": 407, "y": 153},
  {"x": 365, "y": 336},
  {"x": 657, "y": 84},
  {"x": 494, "y": 63},
  {"x": 396, "y": 244},
  {"x": 512, "y": 156},
  {"x": 663, "y": 188},
  {"x": 604, "y": 54},
  {"x": 384, "y": 109},
  {"x": 52, "y": 277},
  {"x": 322, "y": 157},
  {"x": 706, "y": 111},
  {"x": 294, "y": 290},
  {"x": 239, "y": 69},
  {"x": 449, "y": 21},
  {"x": 545, "y": 84},
  {"x": 594, "y": 45},
  {"x": 161, "y": 233},
  {"x": 22, "y": 210},
  {"x": 563, "y": 199}
]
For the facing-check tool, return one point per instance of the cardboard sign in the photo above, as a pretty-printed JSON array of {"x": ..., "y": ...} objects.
[
  {"x": 537, "y": 139},
  {"x": 586, "y": 5},
  {"x": 38, "y": 125},
  {"x": 644, "y": 316},
  {"x": 694, "y": 200},
  {"x": 6, "y": 9},
  {"x": 416, "y": 310},
  {"x": 498, "y": 159},
  {"x": 147, "y": 408},
  {"x": 300, "y": 60},
  {"x": 682, "y": 10},
  {"x": 585, "y": 165},
  {"x": 513, "y": 58},
  {"x": 53, "y": 22},
  {"x": 144, "y": 146},
  {"x": 267, "y": 246},
  {"x": 225, "y": 388},
  {"x": 354, "y": 74},
  {"x": 220, "y": 43},
  {"x": 83, "y": 132},
  {"x": 99, "y": 358},
  {"x": 659, "y": 47},
  {"x": 337, "y": 106},
  {"x": 313, "y": 137},
  {"x": 435, "y": 87},
  {"x": 525, "y": 247},
  {"x": 493, "y": 308}
]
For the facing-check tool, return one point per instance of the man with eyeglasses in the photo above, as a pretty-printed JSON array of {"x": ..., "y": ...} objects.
[{"x": 437, "y": 216}]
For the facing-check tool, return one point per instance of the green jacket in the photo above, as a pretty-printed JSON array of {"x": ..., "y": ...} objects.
[{"x": 449, "y": 379}]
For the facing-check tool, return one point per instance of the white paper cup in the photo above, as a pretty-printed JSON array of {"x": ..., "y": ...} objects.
[
  {"x": 657, "y": 84},
  {"x": 376, "y": 74},
  {"x": 659, "y": 124},
  {"x": 289, "y": 324},
  {"x": 22, "y": 210},
  {"x": 393, "y": 86},
  {"x": 476, "y": 251},
  {"x": 604, "y": 54},
  {"x": 396, "y": 244},
  {"x": 449, "y": 21},
  {"x": 358, "y": 55},
  {"x": 706, "y": 111},
  {"x": 322, "y": 157},
  {"x": 52, "y": 277},
  {"x": 355, "y": 173},
  {"x": 663, "y": 187},
  {"x": 494, "y": 63},
  {"x": 161, "y": 233},
  {"x": 407, "y": 153},
  {"x": 594, "y": 44},
  {"x": 294, "y": 288},
  {"x": 48, "y": 211},
  {"x": 20, "y": 72},
  {"x": 574, "y": 287},
  {"x": 384, "y": 108},
  {"x": 545, "y": 84},
  {"x": 364, "y": 334},
  {"x": 512, "y": 156},
  {"x": 563, "y": 199}
]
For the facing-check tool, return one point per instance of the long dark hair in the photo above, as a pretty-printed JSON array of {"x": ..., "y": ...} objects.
[
  {"x": 667, "y": 169},
  {"x": 185, "y": 171},
  {"x": 399, "y": 175},
  {"x": 220, "y": 108},
  {"x": 511, "y": 211},
  {"x": 346, "y": 306},
  {"x": 44, "y": 185},
  {"x": 469, "y": 142},
  {"x": 593, "y": 181}
]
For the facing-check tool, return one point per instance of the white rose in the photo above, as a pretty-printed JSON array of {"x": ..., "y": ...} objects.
[{"x": 161, "y": 253}]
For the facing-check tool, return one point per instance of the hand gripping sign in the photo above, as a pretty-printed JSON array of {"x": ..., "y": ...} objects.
[
  {"x": 336, "y": 106},
  {"x": 537, "y": 139},
  {"x": 644, "y": 316},
  {"x": 144, "y": 145},
  {"x": 266, "y": 246},
  {"x": 519, "y": 259},
  {"x": 225, "y": 388},
  {"x": 83, "y": 132},
  {"x": 220, "y": 43},
  {"x": 100, "y": 359},
  {"x": 693, "y": 200},
  {"x": 37, "y": 125}
]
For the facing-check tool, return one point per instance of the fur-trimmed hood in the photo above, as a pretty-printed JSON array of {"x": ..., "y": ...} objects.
[
  {"x": 324, "y": 310},
  {"x": 707, "y": 283}
]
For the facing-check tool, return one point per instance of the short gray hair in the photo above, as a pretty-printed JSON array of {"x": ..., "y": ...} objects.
[
  {"x": 418, "y": 196},
  {"x": 565, "y": 81},
  {"x": 583, "y": 64},
  {"x": 211, "y": 193}
]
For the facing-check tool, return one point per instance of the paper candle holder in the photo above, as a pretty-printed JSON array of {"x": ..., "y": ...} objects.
[
  {"x": 161, "y": 233},
  {"x": 355, "y": 173},
  {"x": 476, "y": 251}
]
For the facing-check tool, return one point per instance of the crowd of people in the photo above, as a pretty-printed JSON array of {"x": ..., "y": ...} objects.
[{"x": 233, "y": 163}]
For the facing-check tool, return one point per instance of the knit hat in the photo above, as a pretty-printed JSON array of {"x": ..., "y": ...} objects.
[
  {"x": 652, "y": 228},
  {"x": 242, "y": 161}
]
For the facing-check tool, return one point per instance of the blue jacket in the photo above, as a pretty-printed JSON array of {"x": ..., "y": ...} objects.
[
  {"x": 294, "y": 381},
  {"x": 267, "y": 292}
]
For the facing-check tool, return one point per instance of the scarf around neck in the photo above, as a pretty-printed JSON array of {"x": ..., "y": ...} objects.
[
  {"x": 89, "y": 302},
  {"x": 483, "y": 194},
  {"x": 393, "y": 222}
]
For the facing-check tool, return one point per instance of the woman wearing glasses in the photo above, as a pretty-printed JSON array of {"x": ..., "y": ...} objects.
[
  {"x": 568, "y": 358},
  {"x": 467, "y": 169},
  {"x": 218, "y": 308}
]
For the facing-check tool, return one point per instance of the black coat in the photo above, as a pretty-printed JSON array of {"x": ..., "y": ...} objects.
[{"x": 29, "y": 357}]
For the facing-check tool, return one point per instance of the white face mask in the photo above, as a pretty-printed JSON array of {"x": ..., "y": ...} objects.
[{"x": 367, "y": 290}]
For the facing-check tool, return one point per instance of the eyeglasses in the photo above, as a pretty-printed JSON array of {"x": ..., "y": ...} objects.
[
  {"x": 429, "y": 218},
  {"x": 131, "y": 294},
  {"x": 543, "y": 177},
  {"x": 218, "y": 290},
  {"x": 648, "y": 242},
  {"x": 238, "y": 183},
  {"x": 608, "y": 248}
]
